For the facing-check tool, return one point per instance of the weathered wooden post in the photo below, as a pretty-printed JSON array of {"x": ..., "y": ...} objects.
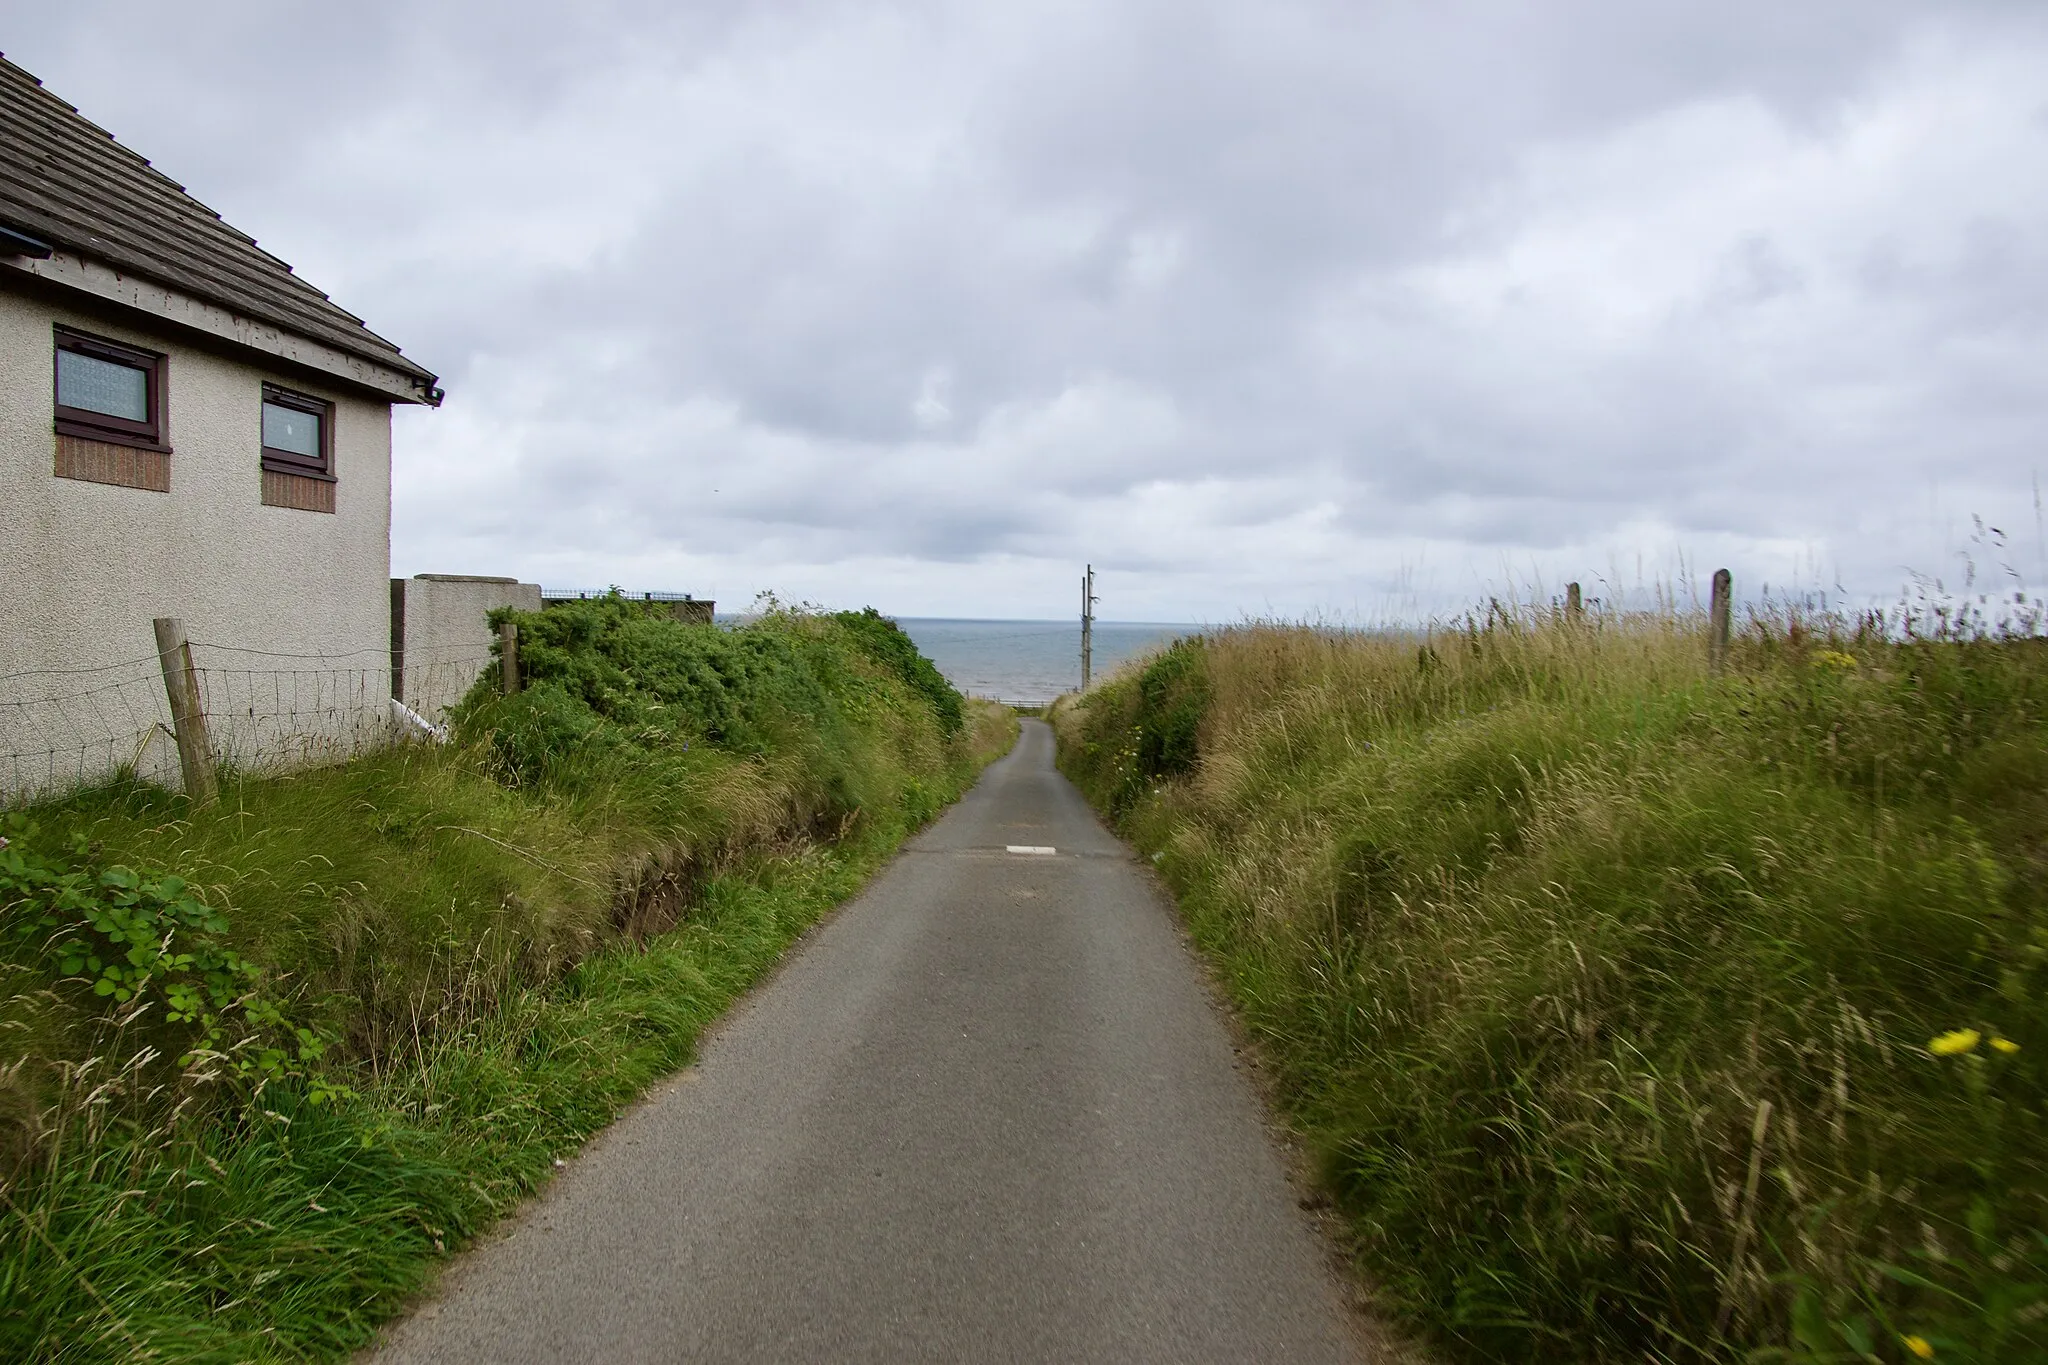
[
  {"x": 1719, "y": 609},
  {"x": 398, "y": 638},
  {"x": 1574, "y": 610},
  {"x": 508, "y": 658},
  {"x": 188, "y": 713}
]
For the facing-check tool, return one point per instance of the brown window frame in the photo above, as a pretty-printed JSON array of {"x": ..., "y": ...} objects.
[
  {"x": 99, "y": 426},
  {"x": 290, "y": 461}
]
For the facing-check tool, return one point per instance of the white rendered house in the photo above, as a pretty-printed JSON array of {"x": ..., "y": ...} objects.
[{"x": 187, "y": 429}]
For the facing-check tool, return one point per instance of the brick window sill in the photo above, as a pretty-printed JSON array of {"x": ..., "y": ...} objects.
[
  {"x": 124, "y": 466},
  {"x": 299, "y": 492}
]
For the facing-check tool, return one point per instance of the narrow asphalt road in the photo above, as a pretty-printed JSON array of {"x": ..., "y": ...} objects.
[{"x": 987, "y": 1113}]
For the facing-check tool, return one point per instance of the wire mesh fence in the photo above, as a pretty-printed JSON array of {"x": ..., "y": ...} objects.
[
  {"x": 65, "y": 728},
  {"x": 62, "y": 729},
  {"x": 432, "y": 680}
]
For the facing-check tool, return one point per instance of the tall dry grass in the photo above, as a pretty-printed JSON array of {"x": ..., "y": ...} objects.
[{"x": 1605, "y": 986}]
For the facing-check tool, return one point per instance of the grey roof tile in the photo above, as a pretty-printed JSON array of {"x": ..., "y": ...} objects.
[{"x": 67, "y": 181}]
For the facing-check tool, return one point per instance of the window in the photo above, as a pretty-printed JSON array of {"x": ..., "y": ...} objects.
[
  {"x": 297, "y": 434},
  {"x": 109, "y": 392}
]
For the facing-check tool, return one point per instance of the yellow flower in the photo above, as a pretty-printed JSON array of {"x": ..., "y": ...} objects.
[
  {"x": 1919, "y": 1346},
  {"x": 2005, "y": 1045},
  {"x": 1833, "y": 658},
  {"x": 1955, "y": 1042}
]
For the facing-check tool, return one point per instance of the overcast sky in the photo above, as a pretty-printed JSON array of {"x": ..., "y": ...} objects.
[{"x": 1343, "y": 309}]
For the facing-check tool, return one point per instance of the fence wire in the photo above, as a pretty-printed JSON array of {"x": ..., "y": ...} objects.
[
  {"x": 66, "y": 728},
  {"x": 63, "y": 729}
]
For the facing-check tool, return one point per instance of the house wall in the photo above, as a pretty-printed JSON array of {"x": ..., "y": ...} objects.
[
  {"x": 441, "y": 634},
  {"x": 84, "y": 567}
]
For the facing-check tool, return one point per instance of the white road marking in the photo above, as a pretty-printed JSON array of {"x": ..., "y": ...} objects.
[{"x": 1042, "y": 850}]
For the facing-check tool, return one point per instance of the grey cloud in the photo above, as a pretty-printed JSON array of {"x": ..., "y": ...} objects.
[{"x": 1333, "y": 290}]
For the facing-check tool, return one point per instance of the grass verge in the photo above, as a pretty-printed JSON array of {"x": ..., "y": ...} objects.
[
  {"x": 1634, "y": 1012},
  {"x": 359, "y": 1012}
]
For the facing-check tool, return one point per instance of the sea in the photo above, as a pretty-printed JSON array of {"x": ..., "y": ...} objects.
[{"x": 1030, "y": 661}]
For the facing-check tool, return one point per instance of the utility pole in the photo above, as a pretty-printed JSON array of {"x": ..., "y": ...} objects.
[{"x": 1088, "y": 601}]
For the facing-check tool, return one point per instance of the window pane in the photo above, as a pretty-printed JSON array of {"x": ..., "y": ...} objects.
[
  {"x": 289, "y": 429},
  {"x": 86, "y": 381}
]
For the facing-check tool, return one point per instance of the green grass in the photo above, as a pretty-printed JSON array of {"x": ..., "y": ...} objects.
[
  {"x": 1603, "y": 987},
  {"x": 490, "y": 948}
]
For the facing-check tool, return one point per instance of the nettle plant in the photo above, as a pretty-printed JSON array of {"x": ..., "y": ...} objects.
[{"x": 144, "y": 938}]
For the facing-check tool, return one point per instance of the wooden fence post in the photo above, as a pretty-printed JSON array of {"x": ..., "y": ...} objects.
[
  {"x": 1719, "y": 609},
  {"x": 508, "y": 658},
  {"x": 398, "y": 638},
  {"x": 1574, "y": 609},
  {"x": 188, "y": 713}
]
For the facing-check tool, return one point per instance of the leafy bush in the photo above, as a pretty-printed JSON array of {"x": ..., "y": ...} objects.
[
  {"x": 657, "y": 678},
  {"x": 884, "y": 641},
  {"x": 535, "y": 732},
  {"x": 1145, "y": 724},
  {"x": 1172, "y": 692},
  {"x": 612, "y": 688},
  {"x": 143, "y": 940}
]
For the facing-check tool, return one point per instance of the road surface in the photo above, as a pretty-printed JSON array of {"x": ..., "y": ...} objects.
[{"x": 986, "y": 1113}]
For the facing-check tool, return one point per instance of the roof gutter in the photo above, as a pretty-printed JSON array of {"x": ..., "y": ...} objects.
[{"x": 17, "y": 243}]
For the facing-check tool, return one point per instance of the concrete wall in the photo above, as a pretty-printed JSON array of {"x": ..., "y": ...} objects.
[
  {"x": 84, "y": 567},
  {"x": 440, "y": 639}
]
